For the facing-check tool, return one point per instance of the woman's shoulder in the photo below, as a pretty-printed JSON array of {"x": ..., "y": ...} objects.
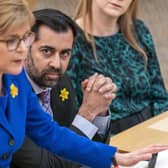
[
  {"x": 13, "y": 77},
  {"x": 141, "y": 27},
  {"x": 80, "y": 42},
  {"x": 144, "y": 35},
  {"x": 80, "y": 33},
  {"x": 20, "y": 78}
]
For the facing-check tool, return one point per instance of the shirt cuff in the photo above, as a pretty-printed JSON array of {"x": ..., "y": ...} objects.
[
  {"x": 88, "y": 128},
  {"x": 102, "y": 123}
]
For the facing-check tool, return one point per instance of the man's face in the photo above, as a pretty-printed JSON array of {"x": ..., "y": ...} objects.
[{"x": 49, "y": 56}]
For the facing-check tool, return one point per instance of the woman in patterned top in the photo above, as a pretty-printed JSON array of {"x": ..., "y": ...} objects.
[{"x": 112, "y": 41}]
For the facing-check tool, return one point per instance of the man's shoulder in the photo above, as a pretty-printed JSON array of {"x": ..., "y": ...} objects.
[{"x": 64, "y": 82}]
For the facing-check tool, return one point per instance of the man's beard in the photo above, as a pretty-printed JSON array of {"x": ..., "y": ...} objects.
[
  {"x": 43, "y": 81},
  {"x": 40, "y": 78}
]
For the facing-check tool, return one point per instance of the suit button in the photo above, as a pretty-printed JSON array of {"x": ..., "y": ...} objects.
[
  {"x": 11, "y": 142},
  {"x": 5, "y": 156}
]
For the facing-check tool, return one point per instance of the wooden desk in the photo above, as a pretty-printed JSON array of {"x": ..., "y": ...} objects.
[{"x": 143, "y": 134}]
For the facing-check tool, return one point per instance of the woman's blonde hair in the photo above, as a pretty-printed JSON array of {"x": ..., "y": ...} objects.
[
  {"x": 13, "y": 13},
  {"x": 84, "y": 10}
]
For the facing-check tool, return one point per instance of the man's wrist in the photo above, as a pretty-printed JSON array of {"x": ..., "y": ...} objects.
[
  {"x": 87, "y": 114},
  {"x": 85, "y": 126}
]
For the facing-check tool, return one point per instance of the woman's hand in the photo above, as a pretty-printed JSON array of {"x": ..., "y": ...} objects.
[{"x": 129, "y": 159}]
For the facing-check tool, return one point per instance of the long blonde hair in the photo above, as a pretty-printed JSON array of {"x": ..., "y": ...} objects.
[
  {"x": 14, "y": 13},
  {"x": 84, "y": 10}
]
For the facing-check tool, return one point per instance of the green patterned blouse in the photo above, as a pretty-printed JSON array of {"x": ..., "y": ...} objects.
[{"x": 139, "y": 81}]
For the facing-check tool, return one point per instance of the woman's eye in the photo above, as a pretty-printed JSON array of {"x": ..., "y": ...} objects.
[{"x": 12, "y": 41}]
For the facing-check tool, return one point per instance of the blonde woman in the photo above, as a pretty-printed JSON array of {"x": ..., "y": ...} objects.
[
  {"x": 20, "y": 111},
  {"x": 113, "y": 42}
]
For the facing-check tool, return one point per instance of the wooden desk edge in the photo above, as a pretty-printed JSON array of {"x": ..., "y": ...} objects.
[{"x": 121, "y": 140}]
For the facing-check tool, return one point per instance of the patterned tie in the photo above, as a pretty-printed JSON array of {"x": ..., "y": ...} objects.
[{"x": 45, "y": 101}]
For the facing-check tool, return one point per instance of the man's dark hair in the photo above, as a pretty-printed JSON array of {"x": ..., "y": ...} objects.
[{"x": 54, "y": 19}]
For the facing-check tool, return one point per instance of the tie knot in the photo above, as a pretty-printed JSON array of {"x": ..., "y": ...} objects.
[
  {"x": 44, "y": 97},
  {"x": 42, "y": 94}
]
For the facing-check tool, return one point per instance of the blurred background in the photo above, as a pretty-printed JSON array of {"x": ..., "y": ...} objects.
[{"x": 153, "y": 12}]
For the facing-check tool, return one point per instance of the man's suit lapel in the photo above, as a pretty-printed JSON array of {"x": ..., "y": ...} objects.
[{"x": 63, "y": 111}]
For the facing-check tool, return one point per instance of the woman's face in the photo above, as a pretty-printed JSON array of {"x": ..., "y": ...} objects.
[
  {"x": 12, "y": 59},
  {"x": 113, "y": 8}
]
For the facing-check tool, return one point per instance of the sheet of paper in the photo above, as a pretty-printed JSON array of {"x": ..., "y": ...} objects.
[
  {"x": 162, "y": 160},
  {"x": 142, "y": 164},
  {"x": 161, "y": 125}
]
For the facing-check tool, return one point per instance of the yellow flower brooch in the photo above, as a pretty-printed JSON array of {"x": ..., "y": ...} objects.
[
  {"x": 64, "y": 94},
  {"x": 13, "y": 90}
]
